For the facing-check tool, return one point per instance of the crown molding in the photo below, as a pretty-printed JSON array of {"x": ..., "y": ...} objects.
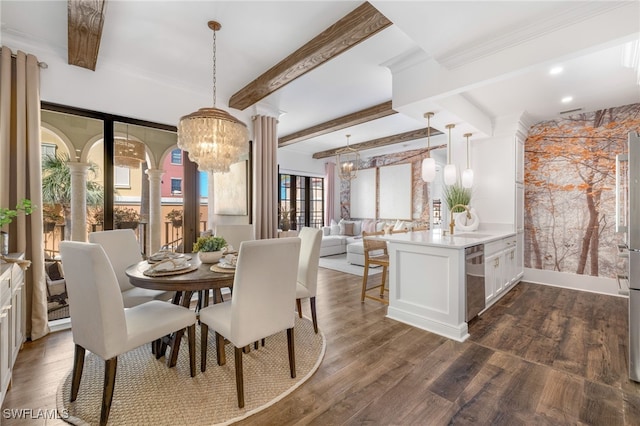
[{"x": 519, "y": 34}]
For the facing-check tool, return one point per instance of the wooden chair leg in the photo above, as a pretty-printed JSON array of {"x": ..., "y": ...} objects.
[
  {"x": 364, "y": 281},
  {"x": 78, "y": 366},
  {"x": 239, "y": 377},
  {"x": 292, "y": 352},
  {"x": 191, "y": 332},
  {"x": 204, "y": 336},
  {"x": 175, "y": 347},
  {"x": 312, "y": 302},
  {"x": 299, "y": 305},
  {"x": 109, "y": 384},
  {"x": 222, "y": 358},
  {"x": 384, "y": 281}
]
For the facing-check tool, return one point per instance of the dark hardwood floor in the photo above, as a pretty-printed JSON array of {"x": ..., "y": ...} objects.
[{"x": 542, "y": 355}]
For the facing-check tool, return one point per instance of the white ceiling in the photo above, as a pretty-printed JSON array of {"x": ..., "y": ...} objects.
[{"x": 492, "y": 58}]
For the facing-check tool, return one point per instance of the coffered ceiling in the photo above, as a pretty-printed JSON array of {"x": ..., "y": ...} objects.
[{"x": 470, "y": 62}]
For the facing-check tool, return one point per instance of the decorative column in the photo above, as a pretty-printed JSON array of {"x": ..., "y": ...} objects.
[
  {"x": 78, "y": 200},
  {"x": 155, "y": 209}
]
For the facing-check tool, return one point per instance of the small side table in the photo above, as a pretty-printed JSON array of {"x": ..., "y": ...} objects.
[{"x": 285, "y": 234}]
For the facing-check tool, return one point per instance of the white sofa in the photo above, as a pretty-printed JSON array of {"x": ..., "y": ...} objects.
[{"x": 337, "y": 236}]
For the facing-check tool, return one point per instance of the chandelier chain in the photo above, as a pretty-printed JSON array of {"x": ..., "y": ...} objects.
[{"x": 214, "y": 68}]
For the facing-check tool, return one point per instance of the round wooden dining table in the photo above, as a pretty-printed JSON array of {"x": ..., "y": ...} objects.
[{"x": 199, "y": 279}]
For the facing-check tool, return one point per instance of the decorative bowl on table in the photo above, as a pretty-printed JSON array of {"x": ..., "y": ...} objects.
[{"x": 210, "y": 256}]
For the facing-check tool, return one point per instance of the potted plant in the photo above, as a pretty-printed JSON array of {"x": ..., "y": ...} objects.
[
  {"x": 125, "y": 218},
  {"x": 50, "y": 217},
  {"x": 209, "y": 248},
  {"x": 6, "y": 217},
  {"x": 175, "y": 216},
  {"x": 457, "y": 195}
]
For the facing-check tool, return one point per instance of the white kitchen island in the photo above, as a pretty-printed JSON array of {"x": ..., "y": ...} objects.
[{"x": 427, "y": 277}]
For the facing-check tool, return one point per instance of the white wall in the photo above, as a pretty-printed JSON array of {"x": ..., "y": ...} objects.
[{"x": 300, "y": 164}]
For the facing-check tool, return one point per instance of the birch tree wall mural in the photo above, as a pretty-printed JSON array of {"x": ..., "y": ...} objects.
[{"x": 570, "y": 191}]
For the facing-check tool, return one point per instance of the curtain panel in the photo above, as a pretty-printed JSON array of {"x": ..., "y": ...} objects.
[
  {"x": 21, "y": 175},
  {"x": 329, "y": 192},
  {"x": 266, "y": 175}
]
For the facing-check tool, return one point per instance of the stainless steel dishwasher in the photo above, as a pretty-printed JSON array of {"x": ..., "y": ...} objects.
[{"x": 474, "y": 271}]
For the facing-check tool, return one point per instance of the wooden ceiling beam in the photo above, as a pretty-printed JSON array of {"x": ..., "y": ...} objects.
[
  {"x": 355, "y": 27},
  {"x": 372, "y": 113},
  {"x": 84, "y": 31},
  {"x": 387, "y": 140}
]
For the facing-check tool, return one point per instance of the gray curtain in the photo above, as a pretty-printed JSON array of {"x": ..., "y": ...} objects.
[
  {"x": 21, "y": 174},
  {"x": 266, "y": 172}
]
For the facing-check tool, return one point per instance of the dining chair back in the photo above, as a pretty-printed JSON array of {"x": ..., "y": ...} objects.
[
  {"x": 264, "y": 293},
  {"x": 310, "y": 242},
  {"x": 375, "y": 253},
  {"x": 235, "y": 234},
  {"x": 121, "y": 247},
  {"x": 100, "y": 323},
  {"x": 264, "y": 289}
]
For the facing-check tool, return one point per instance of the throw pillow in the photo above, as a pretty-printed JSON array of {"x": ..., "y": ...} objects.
[
  {"x": 335, "y": 229},
  {"x": 380, "y": 226},
  {"x": 326, "y": 231},
  {"x": 349, "y": 229},
  {"x": 357, "y": 227},
  {"x": 53, "y": 271},
  {"x": 399, "y": 226},
  {"x": 341, "y": 225},
  {"x": 369, "y": 225}
]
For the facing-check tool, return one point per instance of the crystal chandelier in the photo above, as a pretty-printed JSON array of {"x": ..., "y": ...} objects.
[
  {"x": 128, "y": 152},
  {"x": 213, "y": 138},
  {"x": 347, "y": 159},
  {"x": 450, "y": 172},
  {"x": 428, "y": 164},
  {"x": 467, "y": 175}
]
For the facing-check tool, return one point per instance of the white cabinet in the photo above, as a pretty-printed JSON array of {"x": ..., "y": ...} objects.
[
  {"x": 502, "y": 268},
  {"x": 12, "y": 321},
  {"x": 17, "y": 326}
]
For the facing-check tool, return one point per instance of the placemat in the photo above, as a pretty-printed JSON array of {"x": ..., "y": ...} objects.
[
  {"x": 150, "y": 273},
  {"x": 216, "y": 268}
]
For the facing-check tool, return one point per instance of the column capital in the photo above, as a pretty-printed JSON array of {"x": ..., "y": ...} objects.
[
  {"x": 77, "y": 167},
  {"x": 268, "y": 110},
  {"x": 154, "y": 173}
]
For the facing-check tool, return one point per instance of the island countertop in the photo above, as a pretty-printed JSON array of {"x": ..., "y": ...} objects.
[{"x": 435, "y": 238}]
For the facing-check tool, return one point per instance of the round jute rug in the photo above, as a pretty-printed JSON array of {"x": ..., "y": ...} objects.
[{"x": 147, "y": 392}]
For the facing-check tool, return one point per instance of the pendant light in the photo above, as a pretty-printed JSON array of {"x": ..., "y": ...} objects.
[
  {"x": 348, "y": 160},
  {"x": 450, "y": 172},
  {"x": 213, "y": 138},
  {"x": 128, "y": 152},
  {"x": 467, "y": 175},
  {"x": 428, "y": 163}
]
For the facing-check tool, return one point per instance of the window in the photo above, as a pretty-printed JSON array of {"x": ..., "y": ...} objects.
[
  {"x": 122, "y": 177},
  {"x": 176, "y": 186},
  {"x": 304, "y": 196},
  {"x": 49, "y": 150},
  {"x": 176, "y": 156}
]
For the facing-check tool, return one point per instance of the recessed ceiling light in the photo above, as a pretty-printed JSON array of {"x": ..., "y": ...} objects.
[
  {"x": 567, "y": 99},
  {"x": 555, "y": 70}
]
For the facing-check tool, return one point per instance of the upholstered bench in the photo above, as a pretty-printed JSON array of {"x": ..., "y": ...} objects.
[{"x": 355, "y": 254}]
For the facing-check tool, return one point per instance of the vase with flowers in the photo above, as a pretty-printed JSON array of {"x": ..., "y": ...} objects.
[{"x": 209, "y": 248}]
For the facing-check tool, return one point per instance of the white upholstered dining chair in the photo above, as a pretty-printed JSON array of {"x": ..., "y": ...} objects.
[
  {"x": 122, "y": 250},
  {"x": 310, "y": 241},
  {"x": 235, "y": 234},
  {"x": 264, "y": 292},
  {"x": 101, "y": 324}
]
